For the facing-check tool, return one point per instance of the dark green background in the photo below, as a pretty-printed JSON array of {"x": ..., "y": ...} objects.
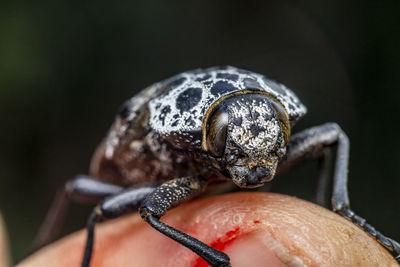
[{"x": 66, "y": 66}]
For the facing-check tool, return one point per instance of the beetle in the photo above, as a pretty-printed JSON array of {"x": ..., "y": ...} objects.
[{"x": 199, "y": 127}]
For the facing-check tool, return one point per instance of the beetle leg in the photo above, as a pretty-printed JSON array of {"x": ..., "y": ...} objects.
[
  {"x": 81, "y": 189},
  {"x": 114, "y": 206},
  {"x": 170, "y": 194},
  {"x": 312, "y": 143},
  {"x": 324, "y": 165},
  {"x": 309, "y": 142}
]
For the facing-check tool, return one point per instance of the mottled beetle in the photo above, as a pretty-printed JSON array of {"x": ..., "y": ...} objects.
[{"x": 175, "y": 137}]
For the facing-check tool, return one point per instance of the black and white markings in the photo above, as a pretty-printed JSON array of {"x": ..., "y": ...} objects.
[
  {"x": 188, "y": 99},
  {"x": 197, "y": 90},
  {"x": 179, "y": 135}
]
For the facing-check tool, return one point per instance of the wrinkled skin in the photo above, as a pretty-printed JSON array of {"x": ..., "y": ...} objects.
[{"x": 254, "y": 229}]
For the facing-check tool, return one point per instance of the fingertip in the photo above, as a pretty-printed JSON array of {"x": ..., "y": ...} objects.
[
  {"x": 4, "y": 252},
  {"x": 255, "y": 229}
]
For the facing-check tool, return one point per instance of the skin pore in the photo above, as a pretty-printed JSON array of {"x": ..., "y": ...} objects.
[{"x": 254, "y": 229}]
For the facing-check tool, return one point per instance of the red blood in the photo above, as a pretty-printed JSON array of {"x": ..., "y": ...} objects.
[
  {"x": 256, "y": 221},
  {"x": 220, "y": 244},
  {"x": 233, "y": 232}
]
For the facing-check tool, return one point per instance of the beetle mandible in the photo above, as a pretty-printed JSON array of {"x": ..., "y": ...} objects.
[{"x": 177, "y": 136}]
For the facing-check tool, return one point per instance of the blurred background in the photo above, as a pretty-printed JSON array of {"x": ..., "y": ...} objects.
[{"x": 66, "y": 66}]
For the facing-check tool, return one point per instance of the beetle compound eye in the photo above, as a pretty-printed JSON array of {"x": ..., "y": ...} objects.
[
  {"x": 283, "y": 119},
  {"x": 216, "y": 132}
]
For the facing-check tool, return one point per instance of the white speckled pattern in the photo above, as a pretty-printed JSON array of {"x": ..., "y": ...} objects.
[
  {"x": 253, "y": 141},
  {"x": 178, "y": 105},
  {"x": 173, "y": 112}
]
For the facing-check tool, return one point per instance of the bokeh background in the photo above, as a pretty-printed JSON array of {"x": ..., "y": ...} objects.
[{"x": 66, "y": 66}]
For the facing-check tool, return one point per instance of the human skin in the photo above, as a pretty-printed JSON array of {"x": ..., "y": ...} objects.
[
  {"x": 254, "y": 229},
  {"x": 4, "y": 254}
]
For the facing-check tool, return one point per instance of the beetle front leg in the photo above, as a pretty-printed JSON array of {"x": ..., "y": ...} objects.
[
  {"x": 114, "y": 206},
  {"x": 170, "y": 194},
  {"x": 80, "y": 189},
  {"x": 310, "y": 142}
]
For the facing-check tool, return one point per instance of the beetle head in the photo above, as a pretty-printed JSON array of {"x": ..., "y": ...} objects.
[{"x": 248, "y": 133}]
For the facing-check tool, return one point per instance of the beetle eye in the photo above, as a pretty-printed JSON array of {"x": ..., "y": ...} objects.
[
  {"x": 216, "y": 132},
  {"x": 283, "y": 119}
]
